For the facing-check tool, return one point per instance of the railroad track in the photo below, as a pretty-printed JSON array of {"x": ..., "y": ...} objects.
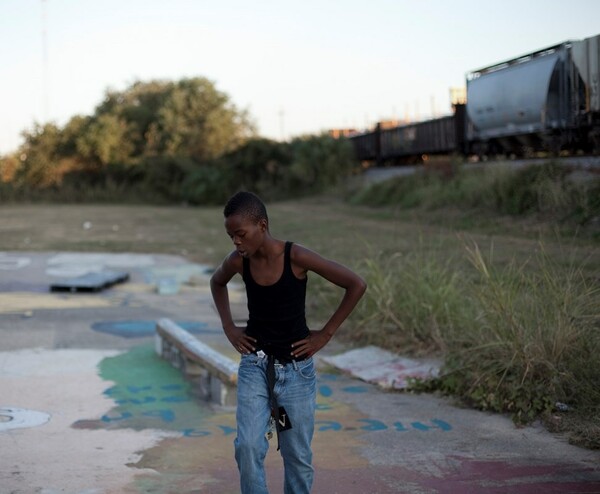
[{"x": 589, "y": 163}]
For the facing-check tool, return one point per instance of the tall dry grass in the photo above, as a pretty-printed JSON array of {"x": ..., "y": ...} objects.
[
  {"x": 412, "y": 300},
  {"x": 515, "y": 338}
]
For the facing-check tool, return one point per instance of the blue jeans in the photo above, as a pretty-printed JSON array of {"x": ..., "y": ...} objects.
[{"x": 295, "y": 389}]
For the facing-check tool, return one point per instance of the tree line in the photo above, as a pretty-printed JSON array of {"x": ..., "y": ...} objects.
[{"x": 167, "y": 141}]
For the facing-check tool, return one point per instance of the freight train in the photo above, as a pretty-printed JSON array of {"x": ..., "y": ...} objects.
[{"x": 547, "y": 101}]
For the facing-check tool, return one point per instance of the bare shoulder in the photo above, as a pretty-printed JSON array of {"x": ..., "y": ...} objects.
[
  {"x": 231, "y": 265},
  {"x": 308, "y": 259},
  {"x": 233, "y": 262},
  {"x": 303, "y": 256}
]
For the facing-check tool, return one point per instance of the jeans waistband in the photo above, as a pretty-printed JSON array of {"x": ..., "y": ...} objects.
[{"x": 279, "y": 359}]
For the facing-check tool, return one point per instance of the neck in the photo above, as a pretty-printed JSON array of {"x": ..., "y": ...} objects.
[{"x": 270, "y": 248}]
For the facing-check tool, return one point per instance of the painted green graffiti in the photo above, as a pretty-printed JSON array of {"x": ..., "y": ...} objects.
[{"x": 149, "y": 393}]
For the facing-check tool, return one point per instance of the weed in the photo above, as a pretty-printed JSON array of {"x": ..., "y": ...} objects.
[
  {"x": 533, "y": 343},
  {"x": 412, "y": 300},
  {"x": 515, "y": 337}
]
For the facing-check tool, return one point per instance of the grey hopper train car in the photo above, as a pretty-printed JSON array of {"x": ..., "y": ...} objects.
[
  {"x": 547, "y": 100},
  {"x": 526, "y": 104},
  {"x": 585, "y": 55},
  {"x": 520, "y": 102}
]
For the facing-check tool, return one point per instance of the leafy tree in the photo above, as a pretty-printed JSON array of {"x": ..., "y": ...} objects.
[
  {"x": 197, "y": 121},
  {"x": 104, "y": 140},
  {"x": 69, "y": 135},
  {"x": 39, "y": 155},
  {"x": 188, "y": 121},
  {"x": 188, "y": 118},
  {"x": 139, "y": 106},
  {"x": 9, "y": 165}
]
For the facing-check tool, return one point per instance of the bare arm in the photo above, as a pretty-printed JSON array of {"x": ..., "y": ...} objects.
[
  {"x": 218, "y": 287},
  {"x": 354, "y": 288}
]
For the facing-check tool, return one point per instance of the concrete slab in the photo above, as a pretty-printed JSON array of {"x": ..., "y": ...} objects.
[
  {"x": 386, "y": 369},
  {"x": 121, "y": 420}
]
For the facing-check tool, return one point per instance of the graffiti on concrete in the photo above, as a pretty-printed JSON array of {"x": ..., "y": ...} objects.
[
  {"x": 141, "y": 328},
  {"x": 182, "y": 273},
  {"x": 149, "y": 394},
  {"x": 22, "y": 286},
  {"x": 372, "y": 425},
  {"x": 20, "y": 418},
  {"x": 165, "y": 405},
  {"x": 12, "y": 263},
  {"x": 326, "y": 391},
  {"x": 78, "y": 264},
  {"x": 169, "y": 279},
  {"x": 149, "y": 405}
]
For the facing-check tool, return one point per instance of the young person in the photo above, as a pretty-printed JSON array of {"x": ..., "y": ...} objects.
[{"x": 276, "y": 377}]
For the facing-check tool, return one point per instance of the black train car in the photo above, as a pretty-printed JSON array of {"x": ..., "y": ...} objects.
[
  {"x": 366, "y": 146},
  {"x": 408, "y": 142}
]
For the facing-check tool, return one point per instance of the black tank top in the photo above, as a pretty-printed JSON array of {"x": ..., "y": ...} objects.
[{"x": 277, "y": 315}]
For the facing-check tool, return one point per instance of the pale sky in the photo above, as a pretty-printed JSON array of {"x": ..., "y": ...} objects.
[{"x": 297, "y": 66}]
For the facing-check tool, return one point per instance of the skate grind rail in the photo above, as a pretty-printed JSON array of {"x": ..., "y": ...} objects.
[{"x": 214, "y": 375}]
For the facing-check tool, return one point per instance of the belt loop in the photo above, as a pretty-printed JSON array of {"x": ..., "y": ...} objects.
[{"x": 295, "y": 365}]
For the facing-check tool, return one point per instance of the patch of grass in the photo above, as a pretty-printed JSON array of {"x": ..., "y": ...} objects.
[
  {"x": 534, "y": 342},
  {"x": 518, "y": 337},
  {"x": 411, "y": 301},
  {"x": 554, "y": 195}
]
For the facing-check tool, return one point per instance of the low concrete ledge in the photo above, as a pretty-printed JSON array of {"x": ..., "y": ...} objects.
[{"x": 213, "y": 374}]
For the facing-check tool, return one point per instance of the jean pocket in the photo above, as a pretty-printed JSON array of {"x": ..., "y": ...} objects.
[
  {"x": 306, "y": 368},
  {"x": 249, "y": 360}
]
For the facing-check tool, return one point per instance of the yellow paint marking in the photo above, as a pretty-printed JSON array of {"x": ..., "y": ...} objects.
[
  {"x": 151, "y": 288},
  {"x": 135, "y": 288},
  {"x": 27, "y": 301}
]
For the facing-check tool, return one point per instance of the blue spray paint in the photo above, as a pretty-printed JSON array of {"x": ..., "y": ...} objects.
[{"x": 141, "y": 329}]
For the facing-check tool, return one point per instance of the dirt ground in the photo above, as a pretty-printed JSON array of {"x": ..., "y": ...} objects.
[{"x": 324, "y": 224}]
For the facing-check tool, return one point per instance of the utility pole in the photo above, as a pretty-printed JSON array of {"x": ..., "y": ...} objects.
[
  {"x": 45, "y": 81},
  {"x": 282, "y": 124}
]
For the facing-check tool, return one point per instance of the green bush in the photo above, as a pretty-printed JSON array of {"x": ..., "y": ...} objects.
[
  {"x": 162, "y": 176},
  {"x": 533, "y": 189},
  {"x": 318, "y": 162},
  {"x": 258, "y": 165},
  {"x": 207, "y": 184}
]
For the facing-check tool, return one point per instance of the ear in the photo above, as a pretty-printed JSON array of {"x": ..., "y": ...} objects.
[{"x": 263, "y": 225}]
